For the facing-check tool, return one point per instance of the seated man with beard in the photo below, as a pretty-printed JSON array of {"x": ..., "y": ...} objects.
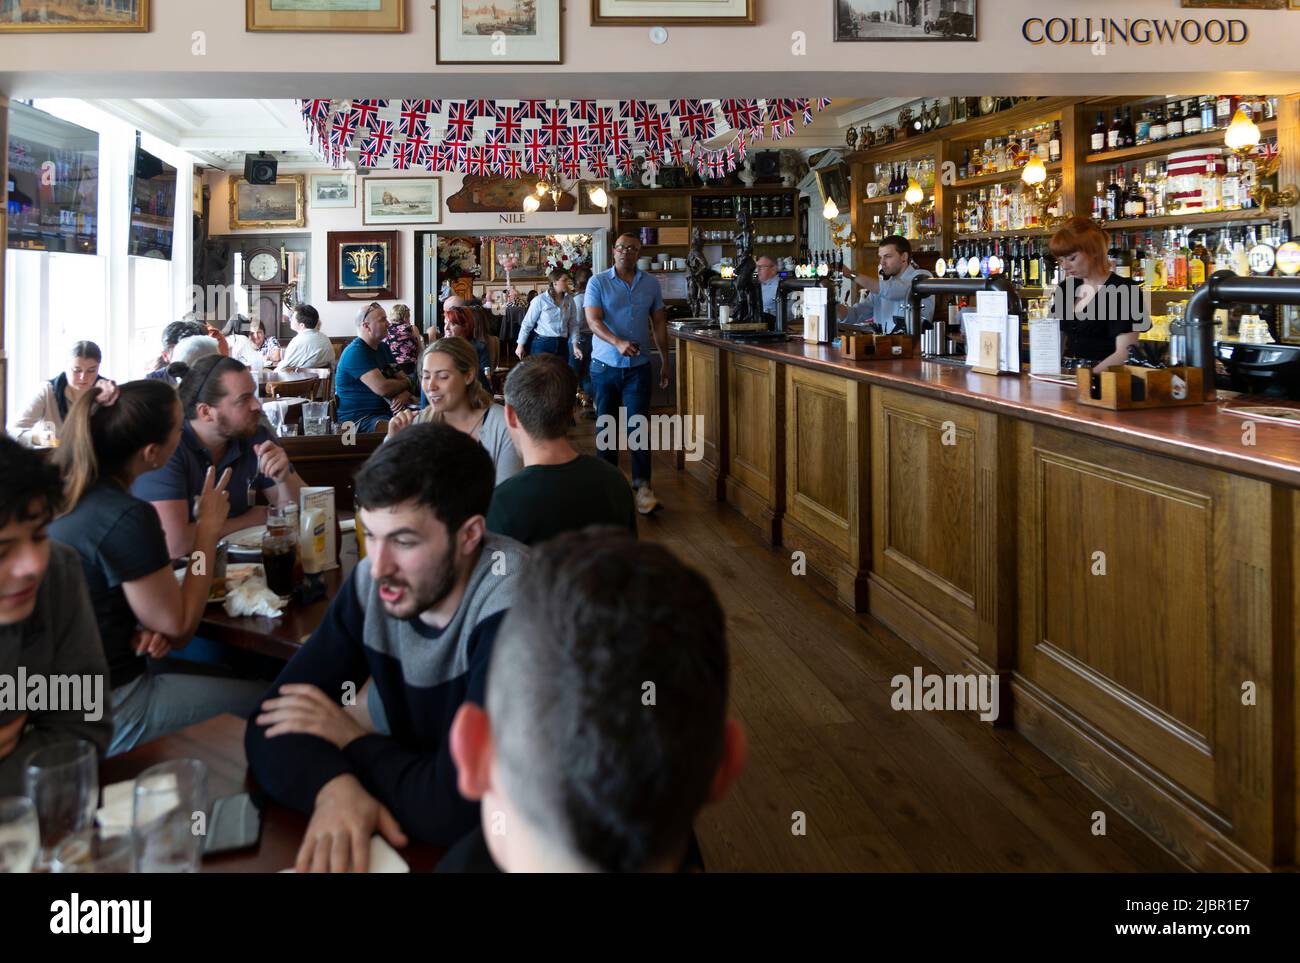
[
  {"x": 222, "y": 427},
  {"x": 416, "y": 619}
]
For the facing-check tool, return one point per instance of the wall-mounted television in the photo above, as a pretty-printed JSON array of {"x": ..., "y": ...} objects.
[
  {"x": 53, "y": 183},
  {"x": 153, "y": 206}
]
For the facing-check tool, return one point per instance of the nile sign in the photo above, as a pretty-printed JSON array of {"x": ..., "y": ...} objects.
[{"x": 1136, "y": 30}]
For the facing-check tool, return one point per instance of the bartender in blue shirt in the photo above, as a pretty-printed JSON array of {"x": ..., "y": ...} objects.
[
  {"x": 624, "y": 307},
  {"x": 889, "y": 295},
  {"x": 770, "y": 280}
]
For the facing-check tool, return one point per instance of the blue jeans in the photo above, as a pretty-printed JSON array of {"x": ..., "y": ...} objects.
[
  {"x": 156, "y": 703},
  {"x": 627, "y": 388},
  {"x": 582, "y": 369},
  {"x": 540, "y": 344}
]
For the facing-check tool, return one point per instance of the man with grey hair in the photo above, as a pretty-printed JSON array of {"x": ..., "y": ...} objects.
[
  {"x": 768, "y": 280},
  {"x": 369, "y": 386},
  {"x": 604, "y": 729}
]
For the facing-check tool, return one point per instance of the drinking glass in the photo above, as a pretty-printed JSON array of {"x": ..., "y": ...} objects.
[
  {"x": 315, "y": 414},
  {"x": 20, "y": 834},
  {"x": 94, "y": 854},
  {"x": 63, "y": 783},
  {"x": 275, "y": 415},
  {"x": 164, "y": 829}
]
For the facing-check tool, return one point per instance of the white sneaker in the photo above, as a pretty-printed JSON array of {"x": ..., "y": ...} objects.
[{"x": 646, "y": 501}]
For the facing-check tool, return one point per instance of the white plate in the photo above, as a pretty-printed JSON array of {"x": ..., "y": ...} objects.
[{"x": 247, "y": 539}]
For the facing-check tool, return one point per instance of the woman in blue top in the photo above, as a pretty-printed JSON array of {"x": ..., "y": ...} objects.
[
  {"x": 144, "y": 613},
  {"x": 551, "y": 321}
]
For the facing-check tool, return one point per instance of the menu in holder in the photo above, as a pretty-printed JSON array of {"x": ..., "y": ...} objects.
[
  {"x": 321, "y": 499},
  {"x": 816, "y": 326},
  {"x": 1045, "y": 347}
]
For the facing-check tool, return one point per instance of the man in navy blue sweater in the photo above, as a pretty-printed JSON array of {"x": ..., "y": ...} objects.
[{"x": 417, "y": 618}]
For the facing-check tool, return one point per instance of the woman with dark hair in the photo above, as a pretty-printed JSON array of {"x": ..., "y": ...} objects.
[
  {"x": 1101, "y": 311},
  {"x": 58, "y": 394},
  {"x": 456, "y": 398},
  {"x": 551, "y": 321},
  {"x": 467, "y": 323},
  {"x": 110, "y": 438}
]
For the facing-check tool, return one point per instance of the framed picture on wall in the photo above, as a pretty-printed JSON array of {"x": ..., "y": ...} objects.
[
  {"x": 868, "y": 20},
  {"x": 326, "y": 16},
  {"x": 401, "y": 200},
  {"x": 501, "y": 32},
  {"x": 720, "y": 13},
  {"x": 333, "y": 190},
  {"x": 526, "y": 252},
  {"x": 258, "y": 206},
  {"x": 71, "y": 16},
  {"x": 1241, "y": 4},
  {"x": 363, "y": 265},
  {"x": 833, "y": 184},
  {"x": 585, "y": 204}
]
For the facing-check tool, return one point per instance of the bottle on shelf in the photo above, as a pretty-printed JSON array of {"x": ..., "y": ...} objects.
[
  {"x": 1115, "y": 195},
  {"x": 1099, "y": 202},
  {"x": 1114, "y": 133},
  {"x": 1128, "y": 135},
  {"x": 1098, "y": 143},
  {"x": 1209, "y": 116},
  {"x": 1222, "y": 253},
  {"x": 1142, "y": 135},
  {"x": 1159, "y": 126},
  {"x": 1174, "y": 125},
  {"x": 1191, "y": 118},
  {"x": 1223, "y": 111},
  {"x": 1054, "y": 145}
]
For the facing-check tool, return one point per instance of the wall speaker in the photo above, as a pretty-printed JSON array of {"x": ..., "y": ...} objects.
[{"x": 260, "y": 169}]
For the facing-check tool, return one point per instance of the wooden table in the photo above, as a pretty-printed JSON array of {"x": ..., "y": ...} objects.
[
  {"x": 219, "y": 744},
  {"x": 279, "y": 638}
]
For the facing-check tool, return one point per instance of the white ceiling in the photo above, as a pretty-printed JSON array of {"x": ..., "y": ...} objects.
[{"x": 220, "y": 132}]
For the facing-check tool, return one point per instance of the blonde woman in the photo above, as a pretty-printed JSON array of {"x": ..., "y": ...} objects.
[
  {"x": 448, "y": 375},
  {"x": 402, "y": 338}
]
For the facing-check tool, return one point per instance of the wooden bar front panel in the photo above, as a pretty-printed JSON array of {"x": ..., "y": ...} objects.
[
  {"x": 826, "y": 482},
  {"x": 756, "y": 442},
  {"x": 1146, "y": 606},
  {"x": 705, "y": 388}
]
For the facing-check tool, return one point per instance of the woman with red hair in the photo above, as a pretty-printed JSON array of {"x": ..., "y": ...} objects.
[{"x": 1101, "y": 312}]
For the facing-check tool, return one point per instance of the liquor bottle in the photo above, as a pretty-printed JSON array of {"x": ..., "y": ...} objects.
[
  {"x": 1128, "y": 136},
  {"x": 963, "y": 172},
  {"x": 1209, "y": 116},
  {"x": 1054, "y": 146},
  {"x": 1034, "y": 272},
  {"x": 1159, "y": 126},
  {"x": 1230, "y": 185},
  {"x": 1099, "y": 202},
  {"x": 1115, "y": 195},
  {"x": 1211, "y": 188},
  {"x": 1222, "y": 253},
  {"x": 1114, "y": 132},
  {"x": 1181, "y": 257},
  {"x": 1149, "y": 191},
  {"x": 1240, "y": 258},
  {"x": 1123, "y": 257},
  {"x": 1191, "y": 118},
  {"x": 1143, "y": 133},
  {"x": 1098, "y": 143},
  {"x": 1174, "y": 125},
  {"x": 1198, "y": 265},
  {"x": 1223, "y": 111},
  {"x": 1137, "y": 197}
]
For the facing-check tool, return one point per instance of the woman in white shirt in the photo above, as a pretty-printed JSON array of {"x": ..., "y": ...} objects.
[
  {"x": 551, "y": 320},
  {"x": 51, "y": 404},
  {"x": 449, "y": 379}
]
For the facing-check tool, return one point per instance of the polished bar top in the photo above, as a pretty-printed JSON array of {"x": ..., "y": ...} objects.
[{"x": 1198, "y": 433}]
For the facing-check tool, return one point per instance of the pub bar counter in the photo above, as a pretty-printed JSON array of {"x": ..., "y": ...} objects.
[{"x": 1131, "y": 576}]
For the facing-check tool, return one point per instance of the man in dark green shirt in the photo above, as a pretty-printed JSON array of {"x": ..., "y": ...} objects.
[{"x": 559, "y": 490}]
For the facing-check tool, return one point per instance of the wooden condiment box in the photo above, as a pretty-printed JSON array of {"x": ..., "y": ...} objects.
[
  {"x": 1125, "y": 387},
  {"x": 876, "y": 347},
  {"x": 674, "y": 235}
]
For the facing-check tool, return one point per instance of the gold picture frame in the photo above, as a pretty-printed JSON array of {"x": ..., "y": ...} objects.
[
  {"x": 136, "y": 22},
  {"x": 631, "y": 13},
  {"x": 314, "y": 16},
  {"x": 244, "y": 196}
]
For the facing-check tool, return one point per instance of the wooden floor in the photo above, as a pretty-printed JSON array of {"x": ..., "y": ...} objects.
[{"x": 881, "y": 790}]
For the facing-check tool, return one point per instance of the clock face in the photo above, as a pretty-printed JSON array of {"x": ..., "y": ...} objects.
[{"x": 263, "y": 267}]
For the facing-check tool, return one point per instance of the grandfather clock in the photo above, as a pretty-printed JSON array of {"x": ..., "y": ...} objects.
[{"x": 264, "y": 277}]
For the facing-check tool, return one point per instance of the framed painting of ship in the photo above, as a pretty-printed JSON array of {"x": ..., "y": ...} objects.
[
  {"x": 401, "y": 200},
  {"x": 259, "y": 206},
  {"x": 69, "y": 16},
  {"x": 499, "y": 32},
  {"x": 325, "y": 16}
]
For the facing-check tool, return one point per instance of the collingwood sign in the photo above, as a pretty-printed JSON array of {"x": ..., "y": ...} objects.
[{"x": 1063, "y": 31}]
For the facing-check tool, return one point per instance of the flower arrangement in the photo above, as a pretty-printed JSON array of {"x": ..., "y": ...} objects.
[
  {"x": 568, "y": 251},
  {"x": 457, "y": 259}
]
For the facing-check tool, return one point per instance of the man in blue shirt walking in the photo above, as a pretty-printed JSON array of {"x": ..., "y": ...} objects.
[{"x": 620, "y": 305}]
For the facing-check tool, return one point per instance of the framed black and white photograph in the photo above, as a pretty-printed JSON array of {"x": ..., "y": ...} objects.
[
  {"x": 873, "y": 20},
  {"x": 401, "y": 200},
  {"x": 333, "y": 190},
  {"x": 499, "y": 32}
]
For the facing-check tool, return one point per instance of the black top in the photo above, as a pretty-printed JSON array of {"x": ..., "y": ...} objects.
[
  {"x": 542, "y": 501},
  {"x": 1093, "y": 330},
  {"x": 119, "y": 539}
]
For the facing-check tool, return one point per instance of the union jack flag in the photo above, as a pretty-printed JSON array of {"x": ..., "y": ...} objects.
[
  {"x": 601, "y": 125},
  {"x": 316, "y": 109},
  {"x": 742, "y": 114},
  {"x": 413, "y": 112},
  {"x": 690, "y": 117},
  {"x": 661, "y": 133},
  {"x": 382, "y": 135},
  {"x": 345, "y": 126},
  {"x": 509, "y": 124},
  {"x": 403, "y": 156},
  {"x": 781, "y": 113},
  {"x": 494, "y": 150},
  {"x": 597, "y": 162},
  {"x": 618, "y": 139},
  {"x": 512, "y": 165},
  {"x": 645, "y": 119},
  {"x": 535, "y": 147},
  {"x": 625, "y": 162},
  {"x": 367, "y": 111},
  {"x": 581, "y": 109},
  {"x": 674, "y": 154},
  {"x": 555, "y": 124},
  {"x": 460, "y": 122},
  {"x": 477, "y": 162},
  {"x": 802, "y": 105},
  {"x": 532, "y": 109},
  {"x": 419, "y": 138},
  {"x": 370, "y": 154},
  {"x": 444, "y": 157},
  {"x": 823, "y": 103},
  {"x": 481, "y": 108}
]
